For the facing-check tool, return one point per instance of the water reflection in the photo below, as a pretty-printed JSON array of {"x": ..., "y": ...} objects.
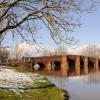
[
  {"x": 93, "y": 78},
  {"x": 80, "y": 87}
]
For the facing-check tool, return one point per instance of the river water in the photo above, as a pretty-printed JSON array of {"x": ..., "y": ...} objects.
[{"x": 79, "y": 87}]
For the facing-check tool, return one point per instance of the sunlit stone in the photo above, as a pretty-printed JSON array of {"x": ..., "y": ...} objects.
[{"x": 36, "y": 66}]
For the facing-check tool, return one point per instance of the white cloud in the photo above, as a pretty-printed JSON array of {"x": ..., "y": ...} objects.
[
  {"x": 25, "y": 49},
  {"x": 36, "y": 50},
  {"x": 76, "y": 51}
]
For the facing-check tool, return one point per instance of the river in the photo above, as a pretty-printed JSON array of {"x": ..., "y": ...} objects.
[{"x": 86, "y": 87}]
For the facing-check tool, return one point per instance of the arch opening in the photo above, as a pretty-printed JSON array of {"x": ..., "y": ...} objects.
[
  {"x": 90, "y": 66},
  {"x": 40, "y": 67},
  {"x": 56, "y": 66},
  {"x": 71, "y": 66},
  {"x": 81, "y": 66}
]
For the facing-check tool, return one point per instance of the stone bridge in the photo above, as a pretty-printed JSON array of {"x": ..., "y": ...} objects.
[{"x": 63, "y": 65}]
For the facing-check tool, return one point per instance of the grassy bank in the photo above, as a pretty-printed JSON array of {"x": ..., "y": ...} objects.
[
  {"x": 28, "y": 86},
  {"x": 50, "y": 93}
]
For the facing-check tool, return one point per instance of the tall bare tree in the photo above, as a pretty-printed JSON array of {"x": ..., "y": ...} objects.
[
  {"x": 61, "y": 51},
  {"x": 56, "y": 52},
  {"x": 20, "y": 17},
  {"x": 91, "y": 51},
  {"x": 18, "y": 53},
  {"x": 4, "y": 54}
]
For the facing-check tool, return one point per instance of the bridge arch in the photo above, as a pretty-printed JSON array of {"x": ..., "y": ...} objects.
[
  {"x": 71, "y": 66},
  {"x": 90, "y": 66},
  {"x": 56, "y": 65},
  {"x": 81, "y": 66},
  {"x": 41, "y": 66}
]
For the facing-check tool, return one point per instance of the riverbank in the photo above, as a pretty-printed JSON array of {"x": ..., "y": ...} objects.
[{"x": 27, "y": 86}]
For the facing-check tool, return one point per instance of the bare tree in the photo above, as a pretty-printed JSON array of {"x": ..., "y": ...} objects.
[
  {"x": 4, "y": 54},
  {"x": 56, "y": 52},
  {"x": 91, "y": 51},
  {"x": 16, "y": 53},
  {"x": 61, "y": 51},
  {"x": 46, "y": 52},
  {"x": 20, "y": 17}
]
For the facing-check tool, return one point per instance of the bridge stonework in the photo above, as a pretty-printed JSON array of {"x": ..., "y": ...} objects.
[
  {"x": 96, "y": 64},
  {"x": 48, "y": 66},
  {"x": 64, "y": 65},
  {"x": 25, "y": 67},
  {"x": 86, "y": 65},
  {"x": 53, "y": 64},
  {"x": 77, "y": 65}
]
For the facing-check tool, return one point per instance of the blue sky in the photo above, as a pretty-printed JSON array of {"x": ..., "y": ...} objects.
[{"x": 87, "y": 34}]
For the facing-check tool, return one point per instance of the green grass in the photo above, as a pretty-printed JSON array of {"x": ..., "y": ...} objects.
[{"x": 50, "y": 93}]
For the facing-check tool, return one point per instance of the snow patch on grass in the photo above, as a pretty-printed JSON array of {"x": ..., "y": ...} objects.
[
  {"x": 9, "y": 74},
  {"x": 11, "y": 79}
]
